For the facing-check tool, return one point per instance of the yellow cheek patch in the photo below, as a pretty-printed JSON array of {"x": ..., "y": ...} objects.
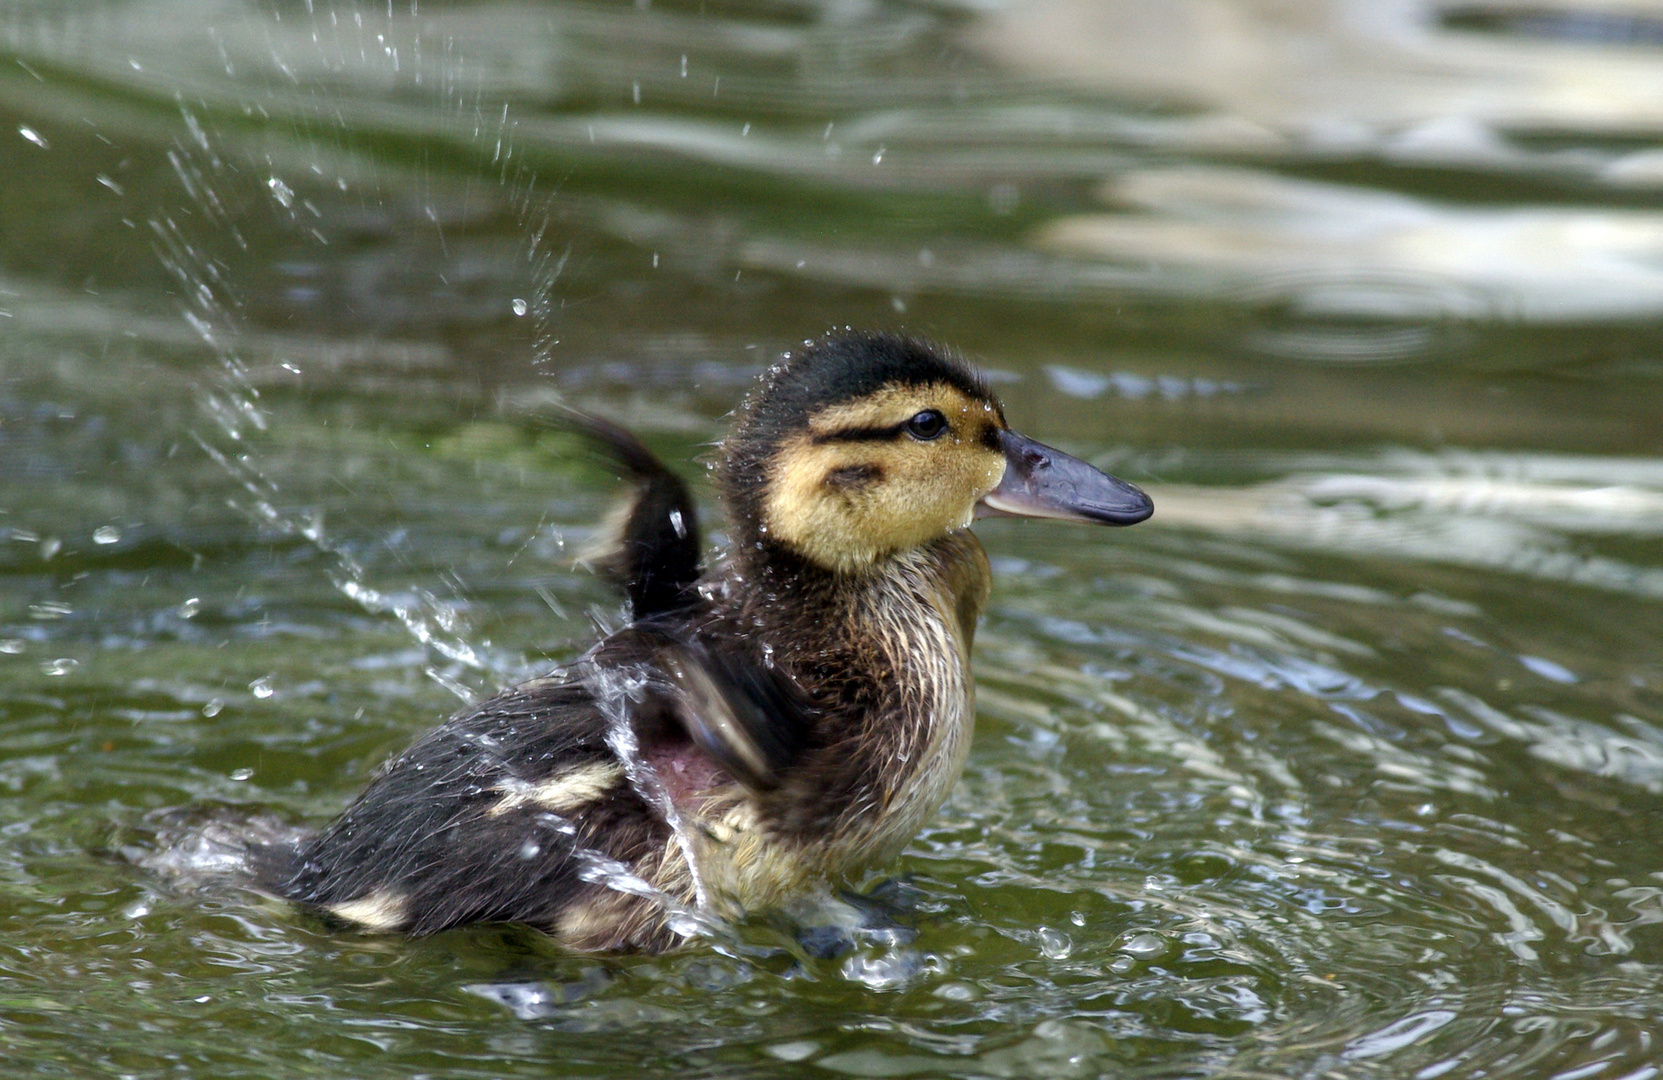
[{"x": 846, "y": 492}]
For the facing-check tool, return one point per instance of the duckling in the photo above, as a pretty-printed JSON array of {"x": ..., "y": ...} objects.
[{"x": 791, "y": 715}]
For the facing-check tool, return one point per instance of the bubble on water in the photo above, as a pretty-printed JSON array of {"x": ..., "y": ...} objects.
[
  {"x": 136, "y": 911},
  {"x": 50, "y": 547},
  {"x": 61, "y": 666},
  {"x": 35, "y": 137},
  {"x": 801, "y": 1050},
  {"x": 520, "y": 306},
  {"x": 189, "y": 608},
  {"x": 1143, "y": 945},
  {"x": 282, "y": 192},
  {"x": 107, "y": 534},
  {"x": 11, "y": 645},
  {"x": 242, "y": 774},
  {"x": 213, "y": 708},
  {"x": 261, "y": 687}
]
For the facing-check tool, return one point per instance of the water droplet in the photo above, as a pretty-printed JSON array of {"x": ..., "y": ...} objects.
[
  {"x": 50, "y": 547},
  {"x": 213, "y": 708},
  {"x": 1054, "y": 944},
  {"x": 1078, "y": 918},
  {"x": 282, "y": 192},
  {"x": 136, "y": 911},
  {"x": 189, "y": 608},
  {"x": 520, "y": 306},
  {"x": 877, "y": 158},
  {"x": 242, "y": 774},
  {"x": 107, "y": 534},
  {"x": 261, "y": 687},
  {"x": 35, "y": 137},
  {"x": 61, "y": 666},
  {"x": 11, "y": 645}
]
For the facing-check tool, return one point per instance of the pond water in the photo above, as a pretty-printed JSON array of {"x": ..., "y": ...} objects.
[{"x": 1348, "y": 763}]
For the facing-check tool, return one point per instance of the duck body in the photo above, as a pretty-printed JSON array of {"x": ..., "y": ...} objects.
[{"x": 790, "y": 716}]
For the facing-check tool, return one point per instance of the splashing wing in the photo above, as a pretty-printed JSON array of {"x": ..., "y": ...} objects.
[{"x": 750, "y": 718}]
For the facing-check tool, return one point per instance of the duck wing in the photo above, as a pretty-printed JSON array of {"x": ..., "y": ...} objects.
[
  {"x": 746, "y": 715},
  {"x": 651, "y": 545}
]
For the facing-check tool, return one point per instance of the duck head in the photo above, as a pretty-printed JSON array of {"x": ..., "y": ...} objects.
[{"x": 861, "y": 446}]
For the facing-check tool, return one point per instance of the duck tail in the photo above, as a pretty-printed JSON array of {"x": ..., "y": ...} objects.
[{"x": 649, "y": 545}]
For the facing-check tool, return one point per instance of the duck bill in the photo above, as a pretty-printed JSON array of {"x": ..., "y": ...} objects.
[{"x": 1040, "y": 482}]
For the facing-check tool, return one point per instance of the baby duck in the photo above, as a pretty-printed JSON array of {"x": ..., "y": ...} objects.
[{"x": 790, "y": 716}]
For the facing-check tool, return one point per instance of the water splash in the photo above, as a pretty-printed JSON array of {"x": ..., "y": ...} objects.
[
  {"x": 222, "y": 190},
  {"x": 616, "y": 691}
]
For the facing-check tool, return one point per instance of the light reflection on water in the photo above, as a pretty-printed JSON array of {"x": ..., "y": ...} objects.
[{"x": 1346, "y": 763}]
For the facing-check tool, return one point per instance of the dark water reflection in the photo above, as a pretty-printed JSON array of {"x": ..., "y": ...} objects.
[{"x": 1347, "y": 763}]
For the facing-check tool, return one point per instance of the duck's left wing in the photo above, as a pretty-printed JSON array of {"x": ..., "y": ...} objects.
[
  {"x": 651, "y": 544},
  {"x": 746, "y": 715}
]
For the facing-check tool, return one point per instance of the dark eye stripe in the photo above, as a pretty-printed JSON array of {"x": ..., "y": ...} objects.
[{"x": 862, "y": 434}]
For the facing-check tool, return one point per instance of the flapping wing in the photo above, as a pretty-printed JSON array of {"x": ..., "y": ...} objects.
[{"x": 748, "y": 716}]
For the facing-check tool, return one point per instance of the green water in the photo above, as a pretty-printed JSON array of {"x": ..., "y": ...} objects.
[{"x": 1348, "y": 763}]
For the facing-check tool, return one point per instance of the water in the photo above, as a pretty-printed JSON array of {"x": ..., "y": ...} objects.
[{"x": 1346, "y": 763}]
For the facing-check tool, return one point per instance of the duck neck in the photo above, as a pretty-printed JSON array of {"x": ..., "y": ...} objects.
[{"x": 949, "y": 574}]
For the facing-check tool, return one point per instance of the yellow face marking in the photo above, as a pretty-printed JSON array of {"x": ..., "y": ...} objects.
[
  {"x": 844, "y": 502},
  {"x": 381, "y": 911},
  {"x": 564, "y": 792},
  {"x": 886, "y": 407}
]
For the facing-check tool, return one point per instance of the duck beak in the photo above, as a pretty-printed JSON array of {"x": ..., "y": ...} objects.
[{"x": 1041, "y": 482}]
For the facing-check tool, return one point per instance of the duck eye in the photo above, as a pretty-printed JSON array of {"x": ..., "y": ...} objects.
[{"x": 927, "y": 425}]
